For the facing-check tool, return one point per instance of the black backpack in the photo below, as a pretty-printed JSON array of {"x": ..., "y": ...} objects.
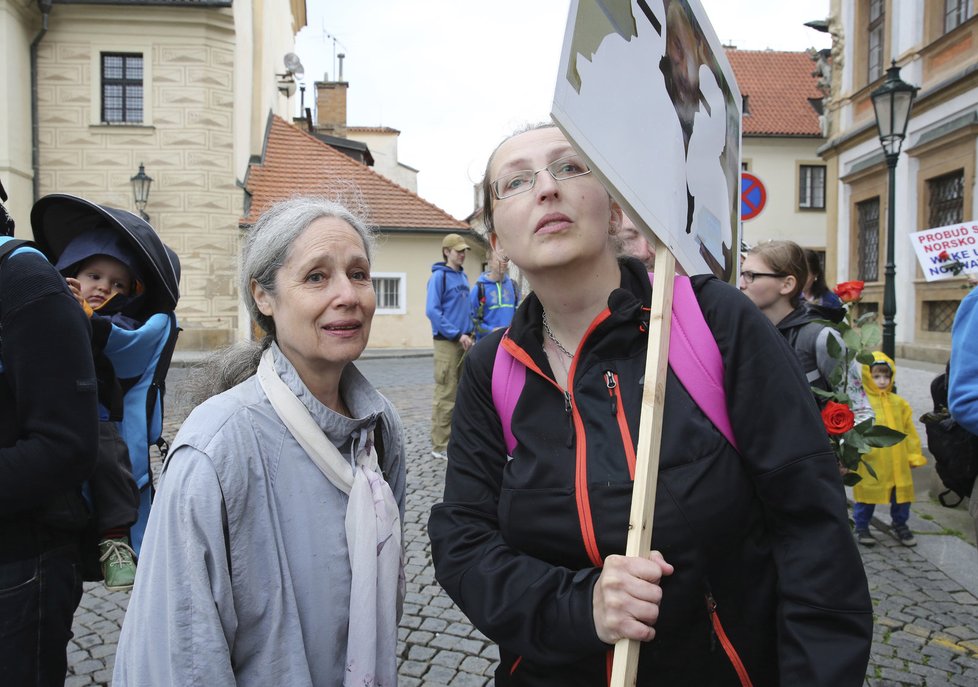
[{"x": 955, "y": 449}]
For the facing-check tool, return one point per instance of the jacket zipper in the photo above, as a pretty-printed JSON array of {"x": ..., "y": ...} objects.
[
  {"x": 618, "y": 410},
  {"x": 580, "y": 462},
  {"x": 728, "y": 647}
]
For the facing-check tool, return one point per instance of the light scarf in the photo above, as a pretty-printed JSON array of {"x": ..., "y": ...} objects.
[{"x": 373, "y": 537}]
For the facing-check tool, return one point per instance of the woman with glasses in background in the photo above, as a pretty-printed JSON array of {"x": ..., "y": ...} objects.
[
  {"x": 773, "y": 275},
  {"x": 755, "y": 579}
]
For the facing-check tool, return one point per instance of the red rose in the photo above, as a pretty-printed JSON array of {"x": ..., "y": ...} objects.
[
  {"x": 837, "y": 418},
  {"x": 849, "y": 291},
  {"x": 943, "y": 256}
]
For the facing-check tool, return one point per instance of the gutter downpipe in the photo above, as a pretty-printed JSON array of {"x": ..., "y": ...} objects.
[{"x": 45, "y": 7}]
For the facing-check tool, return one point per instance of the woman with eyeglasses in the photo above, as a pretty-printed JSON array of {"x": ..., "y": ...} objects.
[
  {"x": 755, "y": 578},
  {"x": 773, "y": 276}
]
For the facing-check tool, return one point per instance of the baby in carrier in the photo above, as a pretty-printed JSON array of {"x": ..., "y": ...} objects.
[{"x": 102, "y": 273}]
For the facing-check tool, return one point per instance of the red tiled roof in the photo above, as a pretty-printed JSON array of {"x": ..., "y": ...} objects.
[
  {"x": 295, "y": 163},
  {"x": 778, "y": 86}
]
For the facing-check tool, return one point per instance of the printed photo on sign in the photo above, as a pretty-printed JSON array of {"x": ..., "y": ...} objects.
[
  {"x": 646, "y": 94},
  {"x": 947, "y": 252}
]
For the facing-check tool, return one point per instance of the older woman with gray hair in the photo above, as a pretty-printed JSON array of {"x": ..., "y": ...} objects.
[{"x": 273, "y": 553}]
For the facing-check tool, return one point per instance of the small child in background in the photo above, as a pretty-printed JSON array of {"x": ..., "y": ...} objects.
[
  {"x": 893, "y": 483},
  {"x": 101, "y": 273}
]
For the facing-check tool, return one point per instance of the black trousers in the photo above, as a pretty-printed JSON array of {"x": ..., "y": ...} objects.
[
  {"x": 115, "y": 497},
  {"x": 38, "y": 598}
]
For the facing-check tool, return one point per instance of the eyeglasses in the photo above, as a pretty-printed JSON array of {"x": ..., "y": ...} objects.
[
  {"x": 523, "y": 180},
  {"x": 750, "y": 276}
]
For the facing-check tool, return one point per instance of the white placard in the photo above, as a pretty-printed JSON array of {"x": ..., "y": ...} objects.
[
  {"x": 646, "y": 94},
  {"x": 937, "y": 249}
]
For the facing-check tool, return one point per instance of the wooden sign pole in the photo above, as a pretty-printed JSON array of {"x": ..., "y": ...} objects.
[{"x": 625, "y": 668}]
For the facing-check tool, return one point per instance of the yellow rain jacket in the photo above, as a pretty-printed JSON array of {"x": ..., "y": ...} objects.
[{"x": 892, "y": 464}]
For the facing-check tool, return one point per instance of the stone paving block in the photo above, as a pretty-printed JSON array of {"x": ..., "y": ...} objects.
[
  {"x": 433, "y": 624},
  {"x": 468, "y": 646},
  {"x": 491, "y": 652},
  {"x": 420, "y": 637},
  {"x": 474, "y": 664},
  {"x": 442, "y": 602},
  {"x": 916, "y": 629},
  {"x": 103, "y": 676},
  {"x": 468, "y": 680},
  {"x": 89, "y": 640},
  {"x": 440, "y": 674},
  {"x": 449, "y": 659},
  {"x": 929, "y": 673},
  {"x": 887, "y": 662},
  {"x": 403, "y": 681},
  {"x": 78, "y": 681},
  {"x": 453, "y": 615},
  {"x": 965, "y": 598},
  {"x": 413, "y": 668},
  {"x": 420, "y": 653},
  {"x": 411, "y": 621},
  {"x": 460, "y": 630},
  {"x": 890, "y": 676}
]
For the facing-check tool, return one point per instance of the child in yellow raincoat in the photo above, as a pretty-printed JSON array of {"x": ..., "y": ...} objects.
[{"x": 893, "y": 483}]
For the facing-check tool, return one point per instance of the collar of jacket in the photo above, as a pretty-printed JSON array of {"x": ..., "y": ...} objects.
[
  {"x": 624, "y": 303},
  {"x": 797, "y": 317}
]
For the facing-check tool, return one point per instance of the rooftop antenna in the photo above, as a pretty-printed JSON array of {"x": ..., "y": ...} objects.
[{"x": 336, "y": 41}]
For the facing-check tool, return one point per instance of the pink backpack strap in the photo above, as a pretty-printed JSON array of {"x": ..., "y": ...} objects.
[
  {"x": 508, "y": 378},
  {"x": 695, "y": 357}
]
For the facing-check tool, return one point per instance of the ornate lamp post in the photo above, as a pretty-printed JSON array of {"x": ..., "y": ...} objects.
[
  {"x": 140, "y": 190},
  {"x": 892, "y": 102}
]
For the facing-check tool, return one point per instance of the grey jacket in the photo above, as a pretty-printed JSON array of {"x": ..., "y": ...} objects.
[{"x": 244, "y": 577}]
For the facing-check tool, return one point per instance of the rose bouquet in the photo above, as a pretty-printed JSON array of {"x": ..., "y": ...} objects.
[{"x": 852, "y": 437}]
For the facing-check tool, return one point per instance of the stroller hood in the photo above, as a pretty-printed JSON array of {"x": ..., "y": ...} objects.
[{"x": 59, "y": 218}]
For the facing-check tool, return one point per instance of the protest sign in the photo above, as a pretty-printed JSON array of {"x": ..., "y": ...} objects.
[
  {"x": 646, "y": 94},
  {"x": 947, "y": 252}
]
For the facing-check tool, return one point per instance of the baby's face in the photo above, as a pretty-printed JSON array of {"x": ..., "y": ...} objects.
[{"x": 102, "y": 277}]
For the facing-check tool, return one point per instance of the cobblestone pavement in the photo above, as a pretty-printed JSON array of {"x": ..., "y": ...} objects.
[{"x": 926, "y": 622}]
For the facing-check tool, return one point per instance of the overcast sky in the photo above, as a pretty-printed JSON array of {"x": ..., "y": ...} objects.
[{"x": 432, "y": 70}]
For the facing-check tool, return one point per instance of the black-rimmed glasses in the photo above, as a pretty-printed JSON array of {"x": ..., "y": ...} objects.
[
  {"x": 749, "y": 276},
  {"x": 523, "y": 180}
]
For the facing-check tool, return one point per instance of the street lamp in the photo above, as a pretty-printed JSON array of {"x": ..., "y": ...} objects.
[
  {"x": 892, "y": 102},
  {"x": 140, "y": 190}
]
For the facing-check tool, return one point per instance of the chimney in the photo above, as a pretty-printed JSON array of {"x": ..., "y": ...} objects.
[
  {"x": 340, "y": 58},
  {"x": 331, "y": 107}
]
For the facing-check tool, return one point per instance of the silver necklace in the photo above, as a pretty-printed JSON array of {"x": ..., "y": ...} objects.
[{"x": 550, "y": 334}]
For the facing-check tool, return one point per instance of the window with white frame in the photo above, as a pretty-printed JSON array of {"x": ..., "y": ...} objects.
[
  {"x": 811, "y": 187},
  {"x": 122, "y": 88},
  {"x": 956, "y": 12},
  {"x": 390, "y": 289}
]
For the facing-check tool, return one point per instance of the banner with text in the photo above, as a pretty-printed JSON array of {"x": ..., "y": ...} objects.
[{"x": 947, "y": 252}]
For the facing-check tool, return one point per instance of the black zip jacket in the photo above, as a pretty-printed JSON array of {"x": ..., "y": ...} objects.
[
  {"x": 761, "y": 536},
  {"x": 48, "y": 407}
]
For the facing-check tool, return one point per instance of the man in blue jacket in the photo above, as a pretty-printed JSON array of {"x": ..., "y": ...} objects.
[
  {"x": 451, "y": 326},
  {"x": 962, "y": 392},
  {"x": 494, "y": 297}
]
